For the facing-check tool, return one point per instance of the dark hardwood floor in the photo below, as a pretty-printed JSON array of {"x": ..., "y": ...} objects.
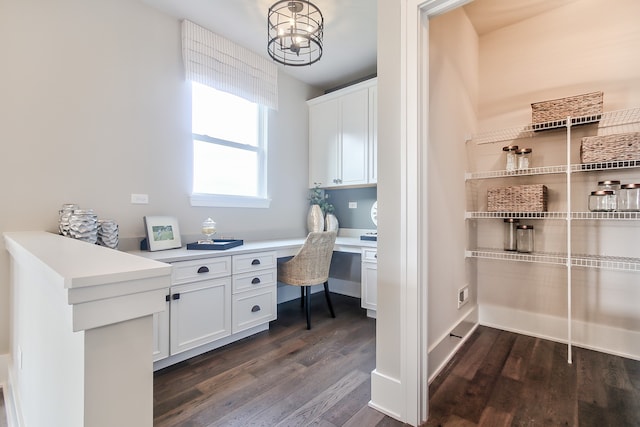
[
  {"x": 286, "y": 376},
  {"x": 289, "y": 376},
  {"x": 500, "y": 378}
]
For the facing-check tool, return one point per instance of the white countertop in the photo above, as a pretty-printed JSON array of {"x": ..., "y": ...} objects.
[
  {"x": 283, "y": 247},
  {"x": 79, "y": 263}
]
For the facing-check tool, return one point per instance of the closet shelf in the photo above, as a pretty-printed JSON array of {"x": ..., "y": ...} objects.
[
  {"x": 604, "y": 120},
  {"x": 587, "y": 261},
  {"x": 556, "y": 215},
  {"x": 546, "y": 170},
  {"x": 520, "y": 215}
]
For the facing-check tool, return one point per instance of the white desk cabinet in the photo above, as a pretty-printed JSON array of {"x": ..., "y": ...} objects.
[
  {"x": 369, "y": 281},
  {"x": 343, "y": 137},
  {"x": 254, "y": 298}
]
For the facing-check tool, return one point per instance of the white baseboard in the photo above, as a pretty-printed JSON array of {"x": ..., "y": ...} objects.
[
  {"x": 603, "y": 338},
  {"x": 441, "y": 352},
  {"x": 386, "y": 395}
]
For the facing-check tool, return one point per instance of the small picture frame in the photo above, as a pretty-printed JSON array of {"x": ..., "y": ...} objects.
[{"x": 162, "y": 232}]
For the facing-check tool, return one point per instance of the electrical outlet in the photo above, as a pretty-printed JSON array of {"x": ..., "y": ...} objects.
[
  {"x": 463, "y": 296},
  {"x": 19, "y": 356},
  {"x": 353, "y": 205}
]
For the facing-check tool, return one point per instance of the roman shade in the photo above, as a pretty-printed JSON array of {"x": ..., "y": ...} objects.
[{"x": 217, "y": 62}]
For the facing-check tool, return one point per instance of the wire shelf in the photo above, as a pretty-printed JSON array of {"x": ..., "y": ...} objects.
[
  {"x": 520, "y": 215},
  {"x": 624, "y": 216},
  {"x": 535, "y": 257},
  {"x": 545, "y": 170},
  {"x": 604, "y": 120},
  {"x": 586, "y": 261},
  {"x": 606, "y": 262},
  {"x": 618, "y": 164}
]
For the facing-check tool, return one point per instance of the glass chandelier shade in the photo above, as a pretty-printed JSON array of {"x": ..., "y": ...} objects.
[{"x": 295, "y": 30}]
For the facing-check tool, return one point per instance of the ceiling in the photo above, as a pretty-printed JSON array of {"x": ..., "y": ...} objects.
[{"x": 350, "y": 32}]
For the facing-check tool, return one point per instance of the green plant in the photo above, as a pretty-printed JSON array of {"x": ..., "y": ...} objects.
[{"x": 317, "y": 197}]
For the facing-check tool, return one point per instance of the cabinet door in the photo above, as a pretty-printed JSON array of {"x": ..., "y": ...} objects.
[
  {"x": 373, "y": 135},
  {"x": 354, "y": 114},
  {"x": 200, "y": 313},
  {"x": 369, "y": 285},
  {"x": 161, "y": 333},
  {"x": 323, "y": 143}
]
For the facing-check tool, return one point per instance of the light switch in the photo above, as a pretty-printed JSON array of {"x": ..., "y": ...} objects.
[
  {"x": 139, "y": 199},
  {"x": 353, "y": 205}
]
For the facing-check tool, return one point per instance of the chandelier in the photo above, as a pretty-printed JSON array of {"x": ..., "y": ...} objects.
[{"x": 295, "y": 32}]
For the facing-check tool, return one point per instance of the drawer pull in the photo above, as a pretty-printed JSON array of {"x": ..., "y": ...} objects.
[
  {"x": 203, "y": 269},
  {"x": 255, "y": 262},
  {"x": 175, "y": 296},
  {"x": 255, "y": 281},
  {"x": 167, "y": 298},
  {"x": 255, "y": 308}
]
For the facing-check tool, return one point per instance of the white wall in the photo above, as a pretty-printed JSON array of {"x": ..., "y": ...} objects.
[
  {"x": 584, "y": 46},
  {"x": 453, "y": 93},
  {"x": 94, "y": 107}
]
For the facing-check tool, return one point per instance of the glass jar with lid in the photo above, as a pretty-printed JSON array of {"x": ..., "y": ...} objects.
[
  {"x": 602, "y": 201},
  {"x": 524, "y": 238},
  {"x": 512, "y": 161},
  {"x": 609, "y": 185},
  {"x": 524, "y": 161},
  {"x": 510, "y": 225},
  {"x": 629, "y": 198}
]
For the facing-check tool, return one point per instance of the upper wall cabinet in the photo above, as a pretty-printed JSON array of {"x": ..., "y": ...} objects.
[{"x": 343, "y": 137}]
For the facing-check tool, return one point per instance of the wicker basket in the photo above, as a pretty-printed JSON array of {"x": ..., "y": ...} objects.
[
  {"x": 620, "y": 146},
  {"x": 557, "y": 110},
  {"x": 518, "y": 198}
]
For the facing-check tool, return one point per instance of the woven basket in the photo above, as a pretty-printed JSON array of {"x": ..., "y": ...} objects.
[
  {"x": 620, "y": 146},
  {"x": 557, "y": 110},
  {"x": 517, "y": 198}
]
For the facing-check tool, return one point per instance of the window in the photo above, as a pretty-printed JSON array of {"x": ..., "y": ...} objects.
[{"x": 229, "y": 150}]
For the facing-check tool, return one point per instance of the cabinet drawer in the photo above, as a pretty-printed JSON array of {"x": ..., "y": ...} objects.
[
  {"x": 370, "y": 255},
  {"x": 253, "y": 308},
  {"x": 254, "y": 262},
  {"x": 248, "y": 281},
  {"x": 200, "y": 269}
]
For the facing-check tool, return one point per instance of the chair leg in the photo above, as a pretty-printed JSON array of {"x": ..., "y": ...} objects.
[
  {"x": 308, "y": 297},
  {"x": 302, "y": 296},
  {"x": 326, "y": 294}
]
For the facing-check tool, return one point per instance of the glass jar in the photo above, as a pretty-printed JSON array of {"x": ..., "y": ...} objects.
[
  {"x": 629, "y": 198},
  {"x": 524, "y": 238},
  {"x": 609, "y": 185},
  {"x": 510, "y": 234},
  {"x": 524, "y": 155},
  {"x": 602, "y": 201},
  {"x": 512, "y": 161}
]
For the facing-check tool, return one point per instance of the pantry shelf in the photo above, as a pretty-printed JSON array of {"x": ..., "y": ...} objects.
[
  {"x": 545, "y": 170},
  {"x": 625, "y": 216},
  {"x": 604, "y": 120},
  {"x": 520, "y": 215},
  {"x": 587, "y": 261}
]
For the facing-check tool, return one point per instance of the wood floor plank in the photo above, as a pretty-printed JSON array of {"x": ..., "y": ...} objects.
[
  {"x": 323, "y": 402},
  {"x": 364, "y": 417},
  {"x": 517, "y": 364},
  {"x": 477, "y": 351}
]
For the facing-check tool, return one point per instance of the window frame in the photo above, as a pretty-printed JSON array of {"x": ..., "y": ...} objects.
[{"x": 238, "y": 201}]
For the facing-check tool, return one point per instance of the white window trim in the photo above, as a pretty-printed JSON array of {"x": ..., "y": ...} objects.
[
  {"x": 225, "y": 201},
  {"x": 236, "y": 201}
]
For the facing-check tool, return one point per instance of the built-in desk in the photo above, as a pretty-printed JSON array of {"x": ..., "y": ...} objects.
[
  {"x": 282, "y": 247},
  {"x": 220, "y": 296}
]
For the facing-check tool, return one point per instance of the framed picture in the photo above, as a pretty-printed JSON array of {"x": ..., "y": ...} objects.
[{"x": 162, "y": 232}]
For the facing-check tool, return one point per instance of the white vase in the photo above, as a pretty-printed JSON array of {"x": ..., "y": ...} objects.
[
  {"x": 315, "y": 220},
  {"x": 331, "y": 222}
]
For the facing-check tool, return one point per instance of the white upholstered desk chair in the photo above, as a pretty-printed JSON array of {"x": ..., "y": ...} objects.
[{"x": 310, "y": 266}]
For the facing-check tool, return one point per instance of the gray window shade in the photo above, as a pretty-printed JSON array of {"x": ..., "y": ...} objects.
[{"x": 217, "y": 62}]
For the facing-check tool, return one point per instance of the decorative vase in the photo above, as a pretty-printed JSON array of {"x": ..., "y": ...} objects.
[
  {"x": 315, "y": 220},
  {"x": 331, "y": 222}
]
